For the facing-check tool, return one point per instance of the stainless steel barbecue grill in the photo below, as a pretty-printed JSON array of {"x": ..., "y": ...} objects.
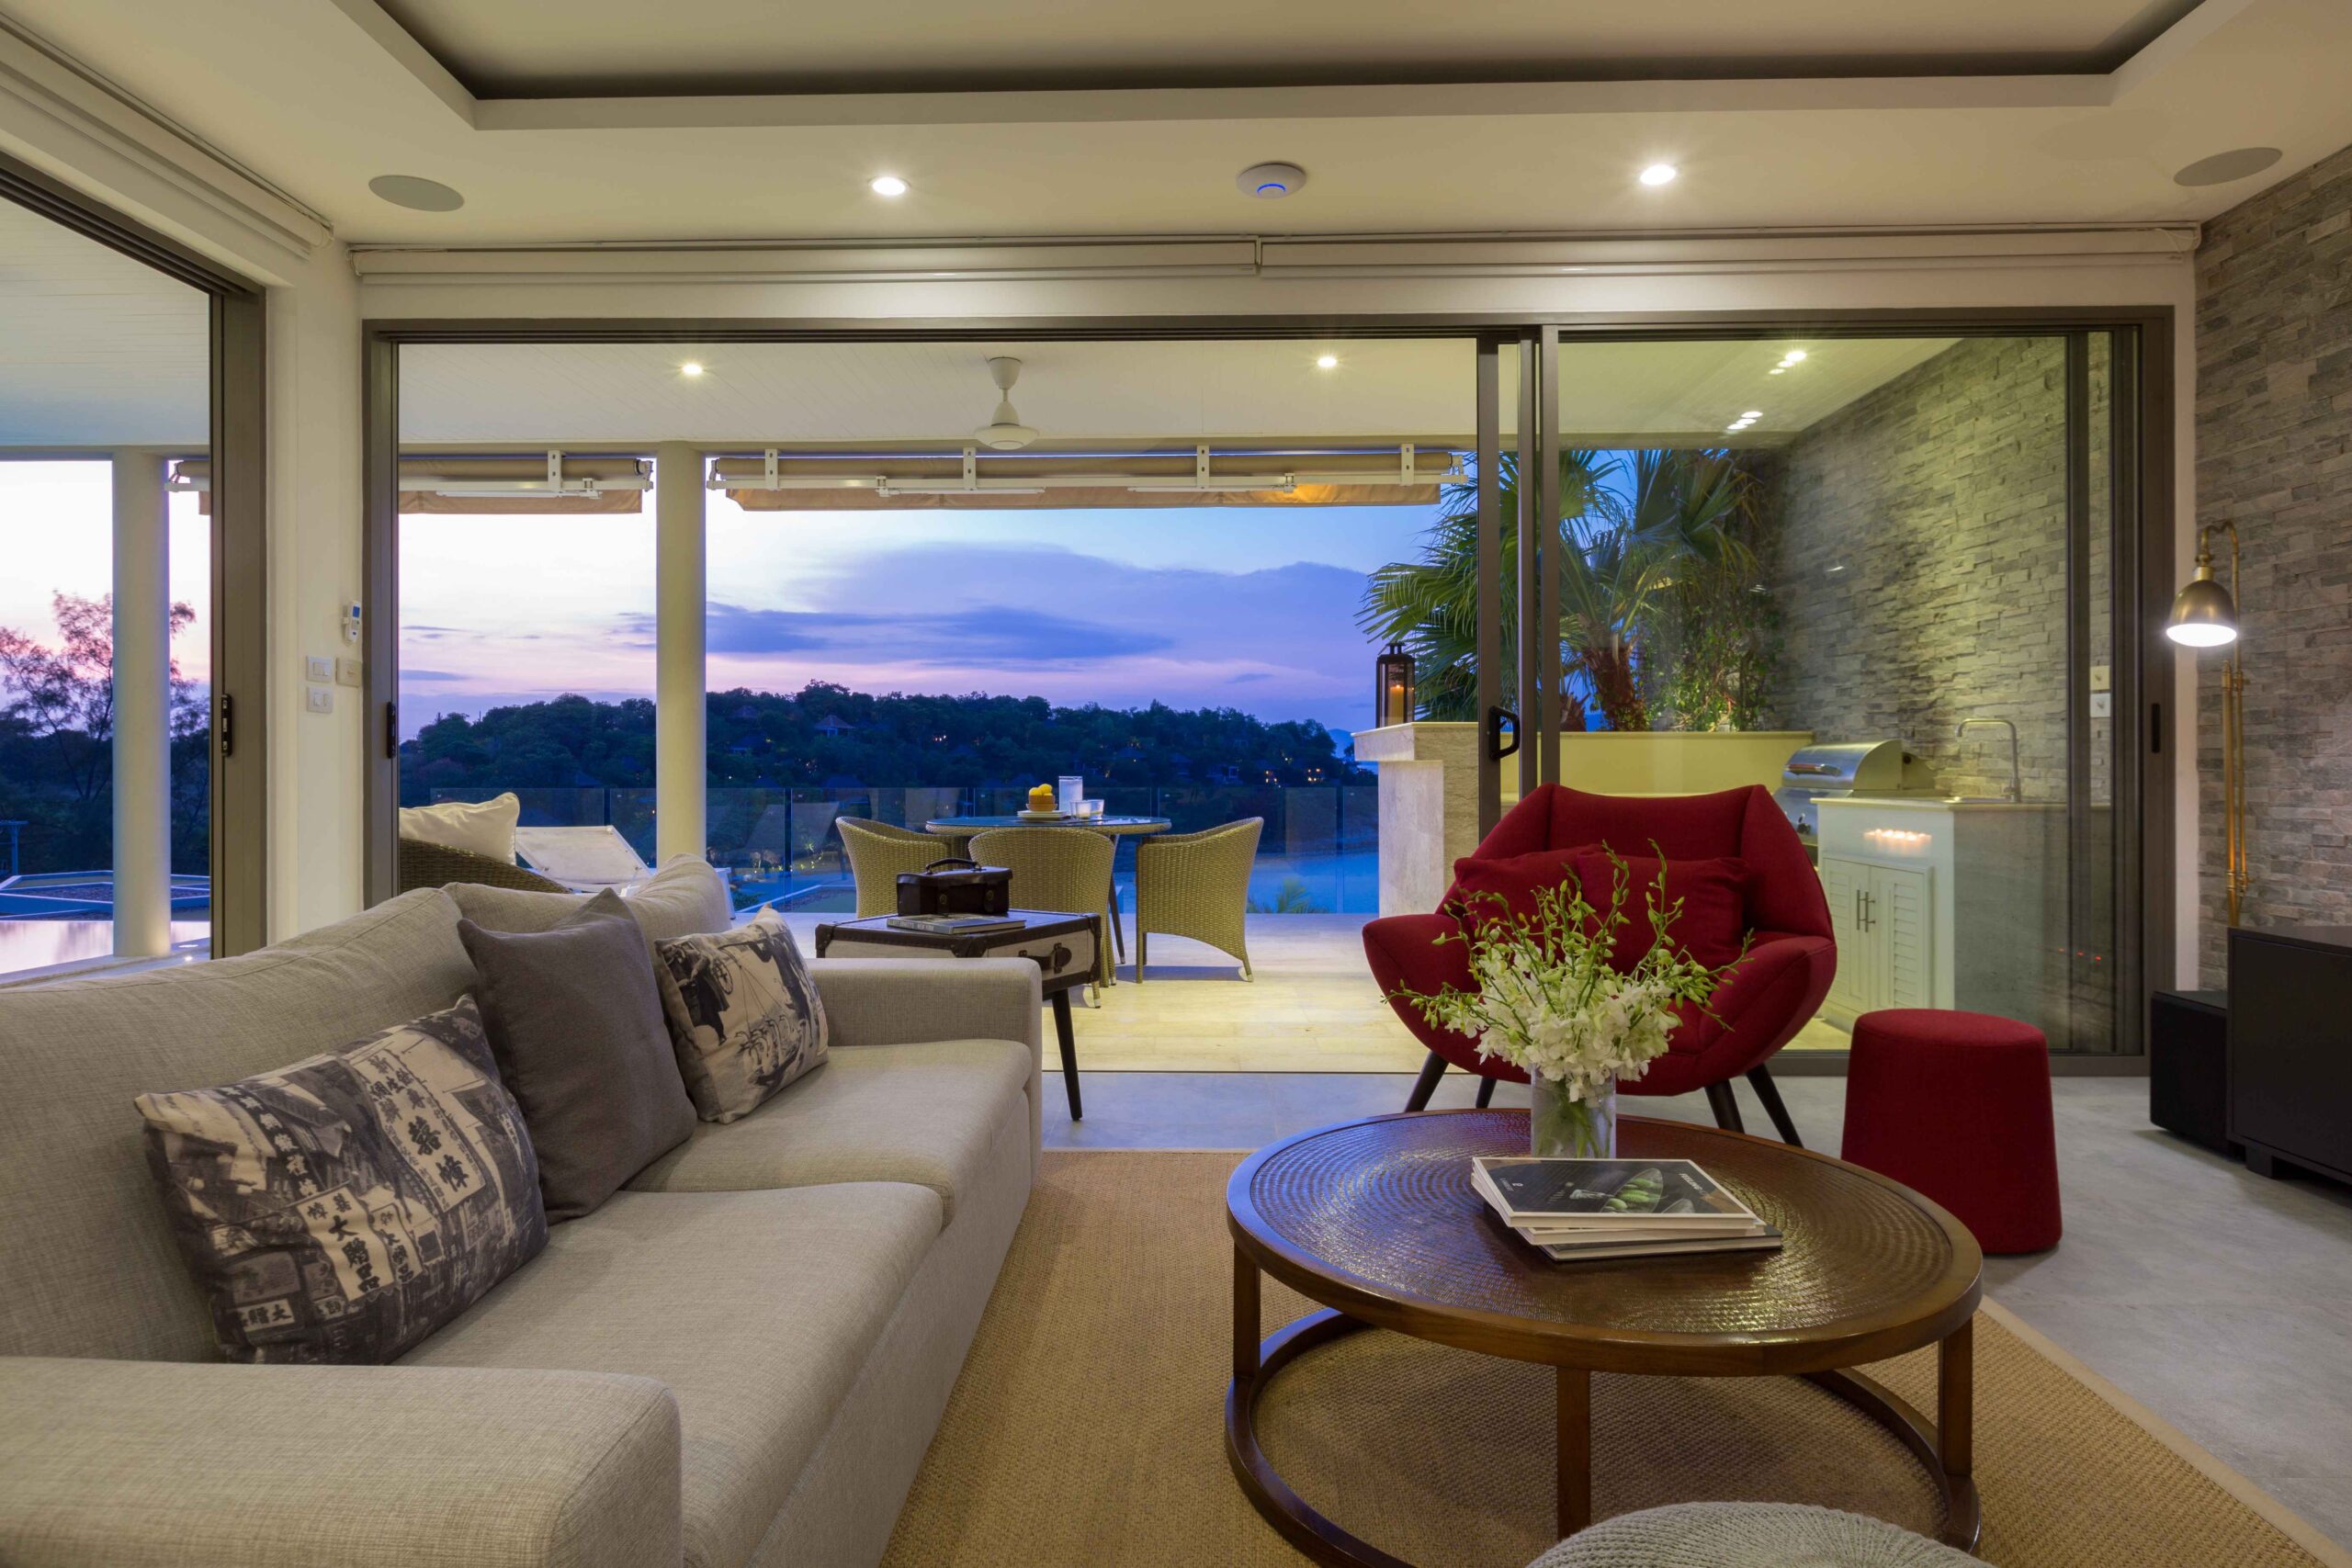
[{"x": 1843, "y": 771}]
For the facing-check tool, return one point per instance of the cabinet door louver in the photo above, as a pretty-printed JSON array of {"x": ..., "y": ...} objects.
[{"x": 1900, "y": 922}]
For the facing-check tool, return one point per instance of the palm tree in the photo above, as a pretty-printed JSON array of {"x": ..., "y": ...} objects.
[{"x": 1621, "y": 547}]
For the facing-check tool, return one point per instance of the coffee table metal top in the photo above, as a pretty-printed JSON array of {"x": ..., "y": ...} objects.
[{"x": 1378, "y": 1218}]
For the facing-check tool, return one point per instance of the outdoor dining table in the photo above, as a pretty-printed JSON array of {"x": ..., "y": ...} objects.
[{"x": 1109, "y": 827}]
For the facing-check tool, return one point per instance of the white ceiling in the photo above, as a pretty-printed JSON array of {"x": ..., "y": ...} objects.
[
  {"x": 516, "y": 47},
  {"x": 96, "y": 349},
  {"x": 320, "y": 95},
  {"x": 755, "y": 395}
]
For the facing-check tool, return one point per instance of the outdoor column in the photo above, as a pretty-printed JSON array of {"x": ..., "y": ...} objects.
[
  {"x": 679, "y": 768},
  {"x": 142, "y": 709}
]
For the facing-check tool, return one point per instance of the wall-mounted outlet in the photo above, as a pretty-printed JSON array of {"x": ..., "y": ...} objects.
[
  {"x": 347, "y": 672},
  {"x": 318, "y": 699},
  {"x": 317, "y": 669}
]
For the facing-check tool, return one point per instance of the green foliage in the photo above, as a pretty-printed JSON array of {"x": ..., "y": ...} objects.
[
  {"x": 1629, "y": 528},
  {"x": 827, "y": 735},
  {"x": 1291, "y": 898}
]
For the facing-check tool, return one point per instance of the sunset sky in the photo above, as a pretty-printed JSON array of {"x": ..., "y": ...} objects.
[{"x": 1244, "y": 607}]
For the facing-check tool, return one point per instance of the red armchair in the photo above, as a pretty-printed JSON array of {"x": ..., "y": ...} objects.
[{"x": 1762, "y": 1003}]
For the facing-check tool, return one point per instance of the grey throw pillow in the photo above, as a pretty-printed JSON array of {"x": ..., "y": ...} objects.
[
  {"x": 576, "y": 1021},
  {"x": 344, "y": 1208},
  {"x": 744, "y": 1014}
]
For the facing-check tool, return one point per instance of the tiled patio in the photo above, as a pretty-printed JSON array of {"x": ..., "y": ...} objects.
[{"x": 1312, "y": 1006}]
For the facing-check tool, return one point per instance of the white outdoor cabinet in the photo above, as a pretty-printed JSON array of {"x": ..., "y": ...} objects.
[
  {"x": 1940, "y": 903},
  {"x": 1884, "y": 920}
]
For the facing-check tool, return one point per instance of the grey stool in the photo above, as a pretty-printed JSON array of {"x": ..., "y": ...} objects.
[{"x": 1748, "y": 1535}]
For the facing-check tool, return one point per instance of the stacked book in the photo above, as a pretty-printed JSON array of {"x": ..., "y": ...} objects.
[{"x": 1583, "y": 1209}]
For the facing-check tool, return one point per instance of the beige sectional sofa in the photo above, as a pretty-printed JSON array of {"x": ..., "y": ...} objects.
[{"x": 740, "y": 1359}]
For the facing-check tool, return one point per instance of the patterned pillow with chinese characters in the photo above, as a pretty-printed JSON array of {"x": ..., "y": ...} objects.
[
  {"x": 743, "y": 1013},
  {"x": 344, "y": 1208}
]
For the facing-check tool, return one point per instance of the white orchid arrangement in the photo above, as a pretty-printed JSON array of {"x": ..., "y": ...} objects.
[{"x": 1546, "y": 998}]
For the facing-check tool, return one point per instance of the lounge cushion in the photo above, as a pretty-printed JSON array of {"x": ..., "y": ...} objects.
[
  {"x": 1514, "y": 879},
  {"x": 685, "y": 897},
  {"x": 924, "y": 1114},
  {"x": 485, "y": 828},
  {"x": 756, "y": 1309},
  {"x": 345, "y": 1207},
  {"x": 576, "y": 1021}
]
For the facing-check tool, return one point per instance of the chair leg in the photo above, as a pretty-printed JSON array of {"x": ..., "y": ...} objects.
[
  {"x": 1485, "y": 1092},
  {"x": 1118, "y": 931},
  {"x": 1426, "y": 1085},
  {"x": 1726, "y": 1105},
  {"x": 1760, "y": 1079},
  {"x": 1142, "y": 939}
]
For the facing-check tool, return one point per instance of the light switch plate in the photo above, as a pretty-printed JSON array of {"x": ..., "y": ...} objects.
[
  {"x": 315, "y": 668},
  {"x": 2102, "y": 704},
  {"x": 346, "y": 671},
  {"x": 2102, "y": 678},
  {"x": 318, "y": 699}
]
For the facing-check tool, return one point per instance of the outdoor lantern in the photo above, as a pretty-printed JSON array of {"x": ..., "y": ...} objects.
[{"x": 1392, "y": 689}]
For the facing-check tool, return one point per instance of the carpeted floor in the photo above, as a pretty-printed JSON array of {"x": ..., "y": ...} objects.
[{"x": 1086, "y": 1431}]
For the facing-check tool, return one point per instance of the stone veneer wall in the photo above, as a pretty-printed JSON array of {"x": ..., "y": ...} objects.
[
  {"x": 1919, "y": 539},
  {"x": 2274, "y": 454}
]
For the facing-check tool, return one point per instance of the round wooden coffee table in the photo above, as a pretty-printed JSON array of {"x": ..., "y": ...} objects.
[{"x": 1377, "y": 1220}]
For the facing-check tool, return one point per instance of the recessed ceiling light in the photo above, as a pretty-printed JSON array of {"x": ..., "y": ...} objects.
[
  {"x": 1270, "y": 182},
  {"x": 886, "y": 184},
  {"x": 691, "y": 367},
  {"x": 1777, "y": 370},
  {"x": 1660, "y": 175},
  {"x": 417, "y": 193},
  {"x": 1752, "y": 415},
  {"x": 2223, "y": 167},
  {"x": 1326, "y": 362},
  {"x": 1794, "y": 356}
]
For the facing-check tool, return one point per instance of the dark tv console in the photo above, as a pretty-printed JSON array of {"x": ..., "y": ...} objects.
[{"x": 2290, "y": 1048}]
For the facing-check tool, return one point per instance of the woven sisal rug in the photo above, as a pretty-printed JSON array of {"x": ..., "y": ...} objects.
[{"x": 1087, "y": 1429}]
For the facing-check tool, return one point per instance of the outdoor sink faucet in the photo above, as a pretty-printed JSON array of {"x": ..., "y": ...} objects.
[{"x": 2016, "y": 788}]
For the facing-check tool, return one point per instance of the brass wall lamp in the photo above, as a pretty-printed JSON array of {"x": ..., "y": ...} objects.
[{"x": 2205, "y": 614}]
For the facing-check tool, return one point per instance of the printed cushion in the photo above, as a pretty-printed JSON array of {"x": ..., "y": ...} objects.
[
  {"x": 743, "y": 1013},
  {"x": 344, "y": 1208}
]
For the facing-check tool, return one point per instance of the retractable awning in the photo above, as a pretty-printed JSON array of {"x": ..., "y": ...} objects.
[
  {"x": 810, "y": 479},
  {"x": 557, "y": 484}
]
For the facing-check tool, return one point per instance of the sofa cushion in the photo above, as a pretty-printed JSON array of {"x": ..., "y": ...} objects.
[
  {"x": 919, "y": 1113},
  {"x": 484, "y": 827},
  {"x": 576, "y": 1021},
  {"x": 343, "y": 1208},
  {"x": 685, "y": 896},
  {"x": 92, "y": 1268},
  {"x": 744, "y": 1016},
  {"x": 756, "y": 1309}
]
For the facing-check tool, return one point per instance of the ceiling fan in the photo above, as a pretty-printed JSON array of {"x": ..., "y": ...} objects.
[{"x": 1004, "y": 432}]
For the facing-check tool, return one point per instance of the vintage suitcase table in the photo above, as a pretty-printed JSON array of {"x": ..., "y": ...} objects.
[{"x": 1062, "y": 946}]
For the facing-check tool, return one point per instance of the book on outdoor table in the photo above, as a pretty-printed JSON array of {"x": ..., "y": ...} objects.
[
  {"x": 954, "y": 925},
  {"x": 1628, "y": 1200}
]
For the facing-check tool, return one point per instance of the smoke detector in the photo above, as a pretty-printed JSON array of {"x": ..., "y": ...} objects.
[
  {"x": 1004, "y": 432},
  {"x": 1270, "y": 182}
]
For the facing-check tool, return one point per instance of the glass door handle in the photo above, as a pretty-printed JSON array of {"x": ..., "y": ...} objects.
[{"x": 1500, "y": 720}]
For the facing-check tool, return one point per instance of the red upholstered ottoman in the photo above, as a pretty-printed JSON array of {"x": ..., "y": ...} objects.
[{"x": 1956, "y": 1105}]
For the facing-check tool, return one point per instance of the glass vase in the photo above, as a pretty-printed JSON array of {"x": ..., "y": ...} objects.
[{"x": 1561, "y": 1128}]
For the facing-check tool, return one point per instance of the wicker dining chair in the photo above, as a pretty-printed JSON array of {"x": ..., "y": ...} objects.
[
  {"x": 424, "y": 864},
  {"x": 1056, "y": 868},
  {"x": 878, "y": 852},
  {"x": 1197, "y": 886}
]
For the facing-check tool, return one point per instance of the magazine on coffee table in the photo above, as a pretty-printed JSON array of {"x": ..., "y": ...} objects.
[{"x": 1617, "y": 1208}]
